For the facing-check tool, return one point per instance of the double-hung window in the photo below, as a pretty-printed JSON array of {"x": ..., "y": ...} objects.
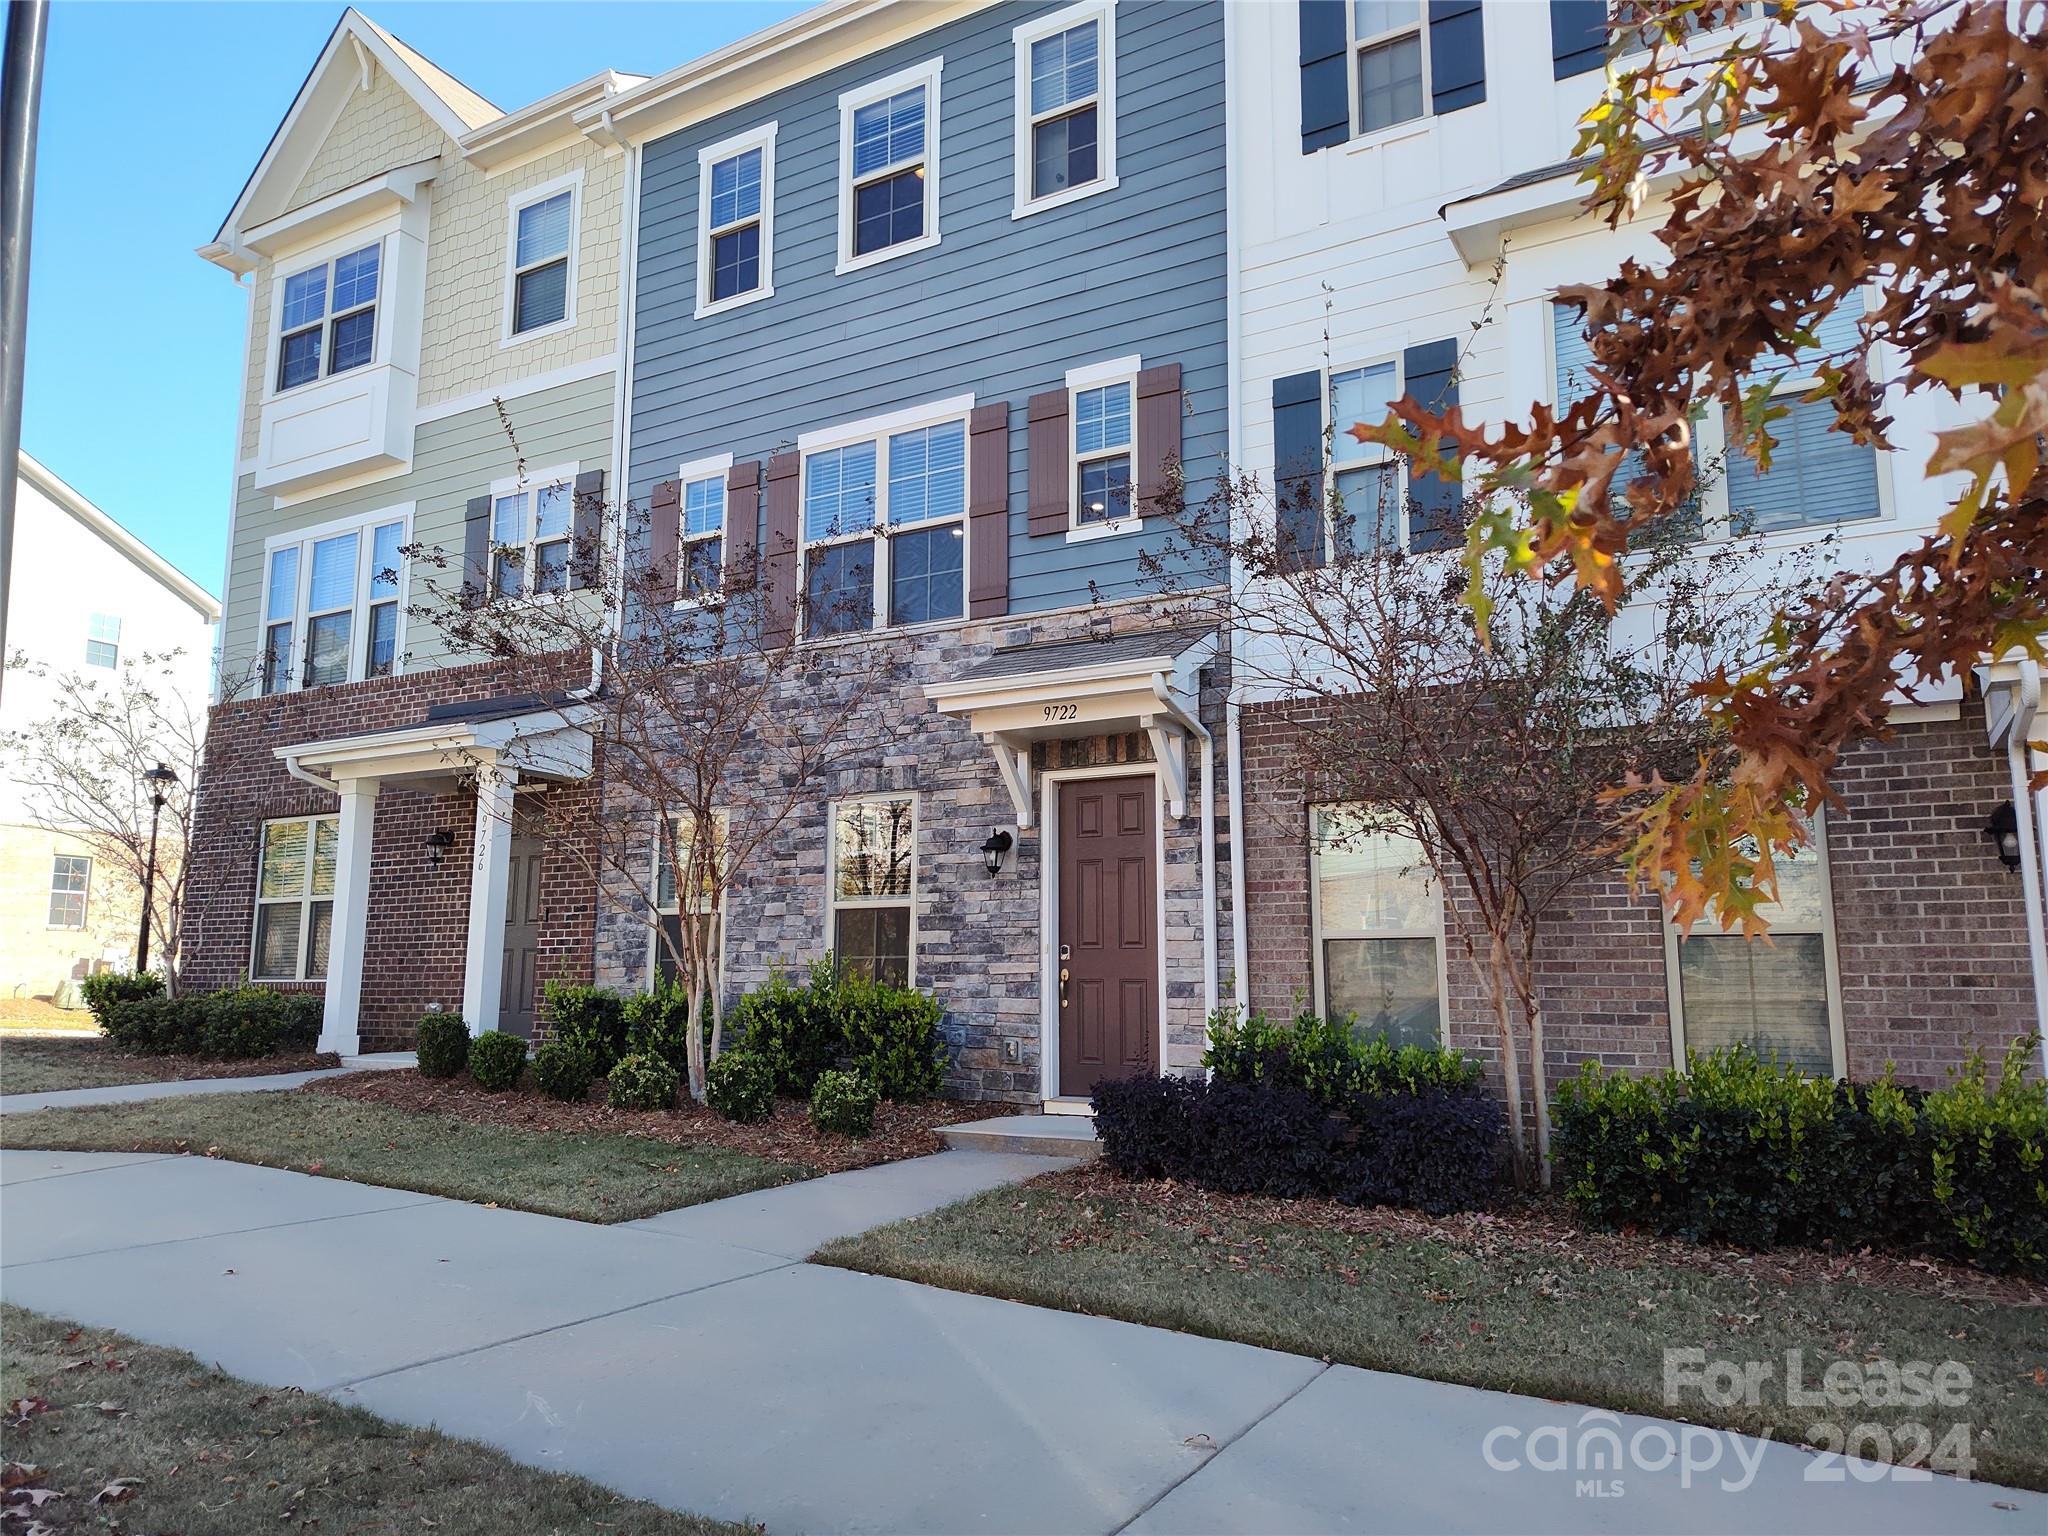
[
  {"x": 1378, "y": 921},
  {"x": 735, "y": 220},
  {"x": 331, "y": 603},
  {"x": 103, "y": 640},
  {"x": 1370, "y": 481},
  {"x": 700, "y": 570},
  {"x": 1103, "y": 399},
  {"x": 1390, "y": 56},
  {"x": 543, "y": 259},
  {"x": 888, "y": 166},
  {"x": 328, "y": 313},
  {"x": 671, "y": 912},
  {"x": 1780, "y": 995},
  {"x": 294, "y": 899},
  {"x": 70, "y": 875},
  {"x": 885, "y": 523},
  {"x": 532, "y": 524},
  {"x": 873, "y": 888},
  {"x": 1066, "y": 106}
]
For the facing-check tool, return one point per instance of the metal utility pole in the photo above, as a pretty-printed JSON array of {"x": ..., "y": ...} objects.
[{"x": 21, "y": 90}]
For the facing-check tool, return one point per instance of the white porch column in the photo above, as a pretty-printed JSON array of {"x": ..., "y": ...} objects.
[
  {"x": 340, "y": 1021},
  {"x": 483, "y": 972}
]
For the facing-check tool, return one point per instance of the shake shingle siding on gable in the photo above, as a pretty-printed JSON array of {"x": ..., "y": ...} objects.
[{"x": 1002, "y": 307}]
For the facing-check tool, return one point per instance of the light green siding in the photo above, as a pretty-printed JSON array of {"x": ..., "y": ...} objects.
[{"x": 454, "y": 458}]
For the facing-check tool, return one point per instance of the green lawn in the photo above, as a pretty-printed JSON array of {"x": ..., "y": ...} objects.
[
  {"x": 138, "y": 1438},
  {"x": 1546, "y": 1319},
  {"x": 37, "y": 1064},
  {"x": 597, "y": 1177}
]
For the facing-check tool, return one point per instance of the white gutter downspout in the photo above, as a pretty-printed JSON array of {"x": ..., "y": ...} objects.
[
  {"x": 622, "y": 404},
  {"x": 308, "y": 776},
  {"x": 1208, "y": 770},
  {"x": 1240, "y": 948},
  {"x": 2030, "y": 811}
]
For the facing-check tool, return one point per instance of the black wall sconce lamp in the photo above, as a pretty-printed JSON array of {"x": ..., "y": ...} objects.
[
  {"x": 992, "y": 851},
  {"x": 2004, "y": 829},
  {"x": 439, "y": 841}
]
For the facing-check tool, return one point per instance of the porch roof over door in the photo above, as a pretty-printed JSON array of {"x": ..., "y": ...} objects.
[
  {"x": 535, "y": 738},
  {"x": 1147, "y": 681}
]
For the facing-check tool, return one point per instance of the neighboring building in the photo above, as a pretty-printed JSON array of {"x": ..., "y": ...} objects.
[
  {"x": 415, "y": 258},
  {"x": 87, "y": 598},
  {"x": 1383, "y": 182}
]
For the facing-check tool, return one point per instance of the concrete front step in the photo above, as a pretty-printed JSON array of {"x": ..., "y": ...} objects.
[{"x": 1068, "y": 1136}]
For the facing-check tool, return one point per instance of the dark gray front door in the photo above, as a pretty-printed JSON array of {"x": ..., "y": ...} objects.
[{"x": 523, "y": 915}]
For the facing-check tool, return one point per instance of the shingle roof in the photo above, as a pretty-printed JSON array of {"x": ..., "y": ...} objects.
[{"x": 1071, "y": 655}]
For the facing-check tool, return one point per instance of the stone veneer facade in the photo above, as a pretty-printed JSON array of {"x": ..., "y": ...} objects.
[{"x": 1929, "y": 926}]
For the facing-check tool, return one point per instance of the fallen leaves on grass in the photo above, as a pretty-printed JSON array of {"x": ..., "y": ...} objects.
[
  {"x": 901, "y": 1130},
  {"x": 119, "y": 1491},
  {"x": 22, "y": 1409}
]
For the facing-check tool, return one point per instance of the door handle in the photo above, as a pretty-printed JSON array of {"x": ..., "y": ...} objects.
[{"x": 1063, "y": 986}]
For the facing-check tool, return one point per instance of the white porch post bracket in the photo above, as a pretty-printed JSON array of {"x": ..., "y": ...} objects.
[
  {"x": 483, "y": 970},
  {"x": 1169, "y": 750},
  {"x": 340, "y": 1020},
  {"x": 1013, "y": 762}
]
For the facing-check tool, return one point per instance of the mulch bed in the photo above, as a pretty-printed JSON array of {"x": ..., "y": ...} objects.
[
  {"x": 901, "y": 1130},
  {"x": 178, "y": 1069},
  {"x": 1546, "y": 1227}
]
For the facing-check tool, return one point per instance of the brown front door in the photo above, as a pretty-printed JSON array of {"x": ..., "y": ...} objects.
[
  {"x": 523, "y": 914},
  {"x": 1108, "y": 964}
]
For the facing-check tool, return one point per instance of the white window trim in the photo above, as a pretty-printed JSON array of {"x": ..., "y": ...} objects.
[
  {"x": 1832, "y": 965},
  {"x": 526, "y": 198},
  {"x": 834, "y": 902},
  {"x": 378, "y": 234},
  {"x": 723, "y": 822},
  {"x": 363, "y": 525},
  {"x": 51, "y": 893},
  {"x": 1117, "y": 370},
  {"x": 1103, "y": 12},
  {"x": 304, "y": 899},
  {"x": 763, "y": 139},
  {"x": 878, "y": 429},
  {"x": 1356, "y": 46},
  {"x": 92, "y": 639},
  {"x": 1711, "y": 437},
  {"x": 1318, "y": 932},
  {"x": 718, "y": 467},
  {"x": 1331, "y": 468},
  {"x": 927, "y": 75},
  {"x": 531, "y": 482}
]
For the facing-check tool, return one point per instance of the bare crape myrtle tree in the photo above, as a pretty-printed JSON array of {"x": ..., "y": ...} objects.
[{"x": 720, "y": 699}]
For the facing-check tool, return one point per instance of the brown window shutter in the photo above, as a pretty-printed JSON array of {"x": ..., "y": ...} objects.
[
  {"x": 1051, "y": 472},
  {"x": 1158, "y": 446},
  {"x": 476, "y": 552},
  {"x": 664, "y": 537},
  {"x": 742, "y": 525},
  {"x": 988, "y": 511},
  {"x": 778, "y": 557},
  {"x": 586, "y": 560}
]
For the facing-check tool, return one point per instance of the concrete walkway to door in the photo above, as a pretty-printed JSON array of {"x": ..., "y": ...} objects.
[{"x": 690, "y": 1359}]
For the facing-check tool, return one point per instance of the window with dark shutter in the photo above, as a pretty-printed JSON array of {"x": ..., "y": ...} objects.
[
  {"x": 1325, "y": 79},
  {"x": 1159, "y": 423},
  {"x": 476, "y": 552},
  {"x": 1457, "y": 55},
  {"x": 664, "y": 538},
  {"x": 742, "y": 525},
  {"x": 586, "y": 558},
  {"x": 988, "y": 511},
  {"x": 779, "y": 553},
  {"x": 1435, "y": 505},
  {"x": 1578, "y": 36},
  {"x": 1298, "y": 468},
  {"x": 1047, "y": 426}
]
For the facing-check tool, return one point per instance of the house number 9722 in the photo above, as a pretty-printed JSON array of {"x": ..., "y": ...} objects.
[{"x": 1062, "y": 711}]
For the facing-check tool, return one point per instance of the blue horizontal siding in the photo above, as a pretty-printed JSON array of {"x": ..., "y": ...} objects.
[{"x": 1001, "y": 307}]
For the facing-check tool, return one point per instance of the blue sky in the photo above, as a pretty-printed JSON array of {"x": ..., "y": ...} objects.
[{"x": 153, "y": 115}]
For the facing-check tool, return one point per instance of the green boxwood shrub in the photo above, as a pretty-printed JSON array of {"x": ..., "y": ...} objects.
[
  {"x": 1326, "y": 1059},
  {"x": 657, "y": 1024},
  {"x": 496, "y": 1059},
  {"x": 103, "y": 990},
  {"x": 843, "y": 1103},
  {"x": 799, "y": 1031},
  {"x": 1737, "y": 1149},
  {"x": 236, "y": 1023},
  {"x": 563, "y": 1071},
  {"x": 642, "y": 1082},
  {"x": 590, "y": 1017},
  {"x": 443, "y": 1045},
  {"x": 892, "y": 1034},
  {"x": 157, "y": 1025},
  {"x": 740, "y": 1085}
]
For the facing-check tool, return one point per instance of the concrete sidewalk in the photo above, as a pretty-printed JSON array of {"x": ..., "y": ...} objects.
[
  {"x": 688, "y": 1359},
  {"x": 131, "y": 1093}
]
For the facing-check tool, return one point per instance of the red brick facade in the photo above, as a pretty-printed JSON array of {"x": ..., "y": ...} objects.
[
  {"x": 1930, "y": 929},
  {"x": 418, "y": 911}
]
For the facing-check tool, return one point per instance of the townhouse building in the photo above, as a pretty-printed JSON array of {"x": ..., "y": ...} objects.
[
  {"x": 940, "y": 315},
  {"x": 1406, "y": 208}
]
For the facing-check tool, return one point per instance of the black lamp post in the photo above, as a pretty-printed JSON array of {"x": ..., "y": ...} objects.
[{"x": 159, "y": 779}]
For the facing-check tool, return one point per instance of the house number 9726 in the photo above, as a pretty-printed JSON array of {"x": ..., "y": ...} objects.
[{"x": 1062, "y": 711}]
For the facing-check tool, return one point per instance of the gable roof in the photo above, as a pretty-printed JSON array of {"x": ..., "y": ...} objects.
[
  {"x": 354, "y": 46},
  {"x": 175, "y": 580}
]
